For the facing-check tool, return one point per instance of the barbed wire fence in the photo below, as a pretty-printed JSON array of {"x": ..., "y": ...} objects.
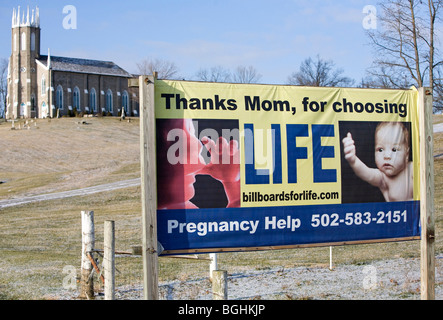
[
  {"x": 128, "y": 279},
  {"x": 188, "y": 277}
]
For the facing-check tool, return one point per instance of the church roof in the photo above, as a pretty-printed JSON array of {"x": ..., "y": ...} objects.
[{"x": 66, "y": 64}]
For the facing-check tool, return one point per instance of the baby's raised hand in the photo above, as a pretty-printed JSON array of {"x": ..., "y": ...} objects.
[
  {"x": 349, "y": 148},
  {"x": 225, "y": 159}
]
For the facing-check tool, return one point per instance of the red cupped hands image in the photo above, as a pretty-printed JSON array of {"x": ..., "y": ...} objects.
[
  {"x": 179, "y": 160},
  {"x": 224, "y": 166},
  {"x": 225, "y": 159}
]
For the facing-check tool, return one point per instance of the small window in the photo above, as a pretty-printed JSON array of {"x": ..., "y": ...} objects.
[
  {"x": 93, "y": 100},
  {"x": 125, "y": 101},
  {"x": 109, "y": 101},
  {"x": 59, "y": 97},
  {"x": 43, "y": 86},
  {"x": 76, "y": 98}
]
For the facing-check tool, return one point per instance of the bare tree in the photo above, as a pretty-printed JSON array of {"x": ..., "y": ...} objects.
[
  {"x": 246, "y": 75},
  {"x": 214, "y": 74},
  {"x": 438, "y": 90},
  {"x": 385, "y": 79},
  {"x": 165, "y": 69},
  {"x": 319, "y": 73},
  {"x": 4, "y": 65},
  {"x": 405, "y": 42}
]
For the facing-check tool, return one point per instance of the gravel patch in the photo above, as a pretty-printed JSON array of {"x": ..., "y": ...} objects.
[{"x": 395, "y": 279}]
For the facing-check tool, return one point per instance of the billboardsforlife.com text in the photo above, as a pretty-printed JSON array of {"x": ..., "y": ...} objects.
[{"x": 257, "y": 196}]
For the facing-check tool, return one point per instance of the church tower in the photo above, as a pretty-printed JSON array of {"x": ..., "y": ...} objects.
[{"x": 22, "y": 71}]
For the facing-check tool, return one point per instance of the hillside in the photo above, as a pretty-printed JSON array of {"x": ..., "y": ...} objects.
[{"x": 68, "y": 153}]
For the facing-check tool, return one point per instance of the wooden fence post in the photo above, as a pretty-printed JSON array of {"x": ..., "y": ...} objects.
[
  {"x": 109, "y": 260},
  {"x": 148, "y": 187},
  {"x": 427, "y": 242},
  {"x": 88, "y": 242},
  {"x": 219, "y": 285}
]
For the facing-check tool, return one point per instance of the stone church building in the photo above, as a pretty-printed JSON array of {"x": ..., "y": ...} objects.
[{"x": 41, "y": 86}]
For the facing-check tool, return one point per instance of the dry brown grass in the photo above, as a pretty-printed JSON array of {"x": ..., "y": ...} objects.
[{"x": 64, "y": 154}]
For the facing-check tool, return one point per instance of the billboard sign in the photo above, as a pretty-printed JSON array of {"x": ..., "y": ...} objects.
[{"x": 248, "y": 166}]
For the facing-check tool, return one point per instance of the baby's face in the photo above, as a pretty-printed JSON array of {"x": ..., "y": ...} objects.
[{"x": 391, "y": 152}]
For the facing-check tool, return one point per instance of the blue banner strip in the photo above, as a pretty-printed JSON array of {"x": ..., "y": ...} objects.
[{"x": 284, "y": 226}]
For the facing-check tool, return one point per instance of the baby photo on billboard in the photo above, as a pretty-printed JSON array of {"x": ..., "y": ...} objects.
[
  {"x": 376, "y": 161},
  {"x": 198, "y": 163}
]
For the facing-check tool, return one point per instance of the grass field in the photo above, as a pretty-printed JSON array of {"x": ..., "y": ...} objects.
[
  {"x": 39, "y": 240},
  {"x": 65, "y": 154}
]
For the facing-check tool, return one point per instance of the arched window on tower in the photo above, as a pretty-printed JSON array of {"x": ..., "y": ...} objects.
[
  {"x": 33, "y": 103},
  {"x": 23, "y": 41},
  {"x": 33, "y": 41}
]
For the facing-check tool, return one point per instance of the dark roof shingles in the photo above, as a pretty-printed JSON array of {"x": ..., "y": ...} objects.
[{"x": 84, "y": 66}]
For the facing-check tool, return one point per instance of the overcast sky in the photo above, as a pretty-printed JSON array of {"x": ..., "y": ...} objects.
[{"x": 273, "y": 36}]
